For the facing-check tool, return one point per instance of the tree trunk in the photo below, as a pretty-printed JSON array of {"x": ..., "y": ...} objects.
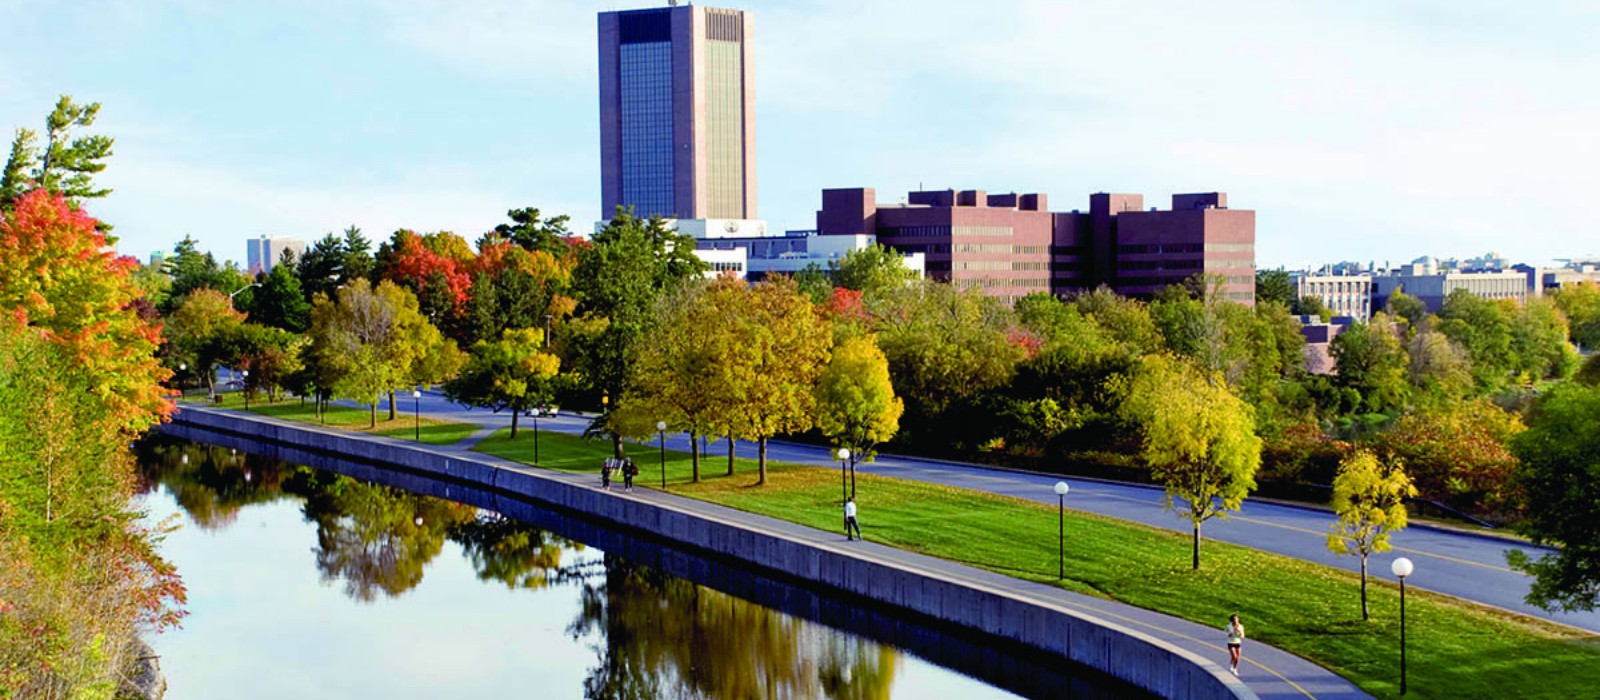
[
  {"x": 616, "y": 446},
  {"x": 694, "y": 455},
  {"x": 730, "y": 455},
  {"x": 514, "y": 424},
  {"x": 1364, "y": 615},
  {"x": 373, "y": 423},
  {"x": 761, "y": 460},
  {"x": 391, "y": 404},
  {"x": 1196, "y": 545}
]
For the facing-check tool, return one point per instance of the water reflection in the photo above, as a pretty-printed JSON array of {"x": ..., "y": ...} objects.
[{"x": 653, "y": 629}]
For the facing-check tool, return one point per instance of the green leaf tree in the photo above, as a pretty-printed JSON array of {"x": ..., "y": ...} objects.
[
  {"x": 872, "y": 270},
  {"x": 1372, "y": 362},
  {"x": 1581, "y": 304},
  {"x": 1559, "y": 470},
  {"x": 1275, "y": 286},
  {"x": 856, "y": 405},
  {"x": 1369, "y": 500},
  {"x": 65, "y": 165},
  {"x": 278, "y": 301},
  {"x": 512, "y": 374},
  {"x": 368, "y": 341},
  {"x": 1198, "y": 438}
]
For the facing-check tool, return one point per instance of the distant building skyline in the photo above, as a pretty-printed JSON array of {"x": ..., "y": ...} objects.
[
  {"x": 262, "y": 253},
  {"x": 677, "y": 113}
]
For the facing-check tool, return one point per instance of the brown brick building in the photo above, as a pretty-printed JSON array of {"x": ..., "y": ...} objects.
[{"x": 1010, "y": 245}]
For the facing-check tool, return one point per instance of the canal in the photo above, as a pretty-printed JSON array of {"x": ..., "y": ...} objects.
[{"x": 353, "y": 582}]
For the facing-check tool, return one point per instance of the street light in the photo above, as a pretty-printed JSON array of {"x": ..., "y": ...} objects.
[
  {"x": 1402, "y": 568},
  {"x": 1061, "y": 527},
  {"x": 246, "y": 389},
  {"x": 416, "y": 411},
  {"x": 236, "y": 292},
  {"x": 661, "y": 429},
  {"x": 182, "y": 368},
  {"x": 844, "y": 490}
]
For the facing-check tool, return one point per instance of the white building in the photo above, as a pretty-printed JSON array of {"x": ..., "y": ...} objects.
[
  {"x": 1424, "y": 279},
  {"x": 1344, "y": 295},
  {"x": 264, "y": 252}
]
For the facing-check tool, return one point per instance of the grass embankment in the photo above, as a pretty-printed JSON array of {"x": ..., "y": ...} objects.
[
  {"x": 1456, "y": 649},
  {"x": 434, "y": 431}
]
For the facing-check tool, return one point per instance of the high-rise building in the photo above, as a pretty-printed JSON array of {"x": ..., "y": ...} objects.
[
  {"x": 677, "y": 113},
  {"x": 264, "y": 252}
]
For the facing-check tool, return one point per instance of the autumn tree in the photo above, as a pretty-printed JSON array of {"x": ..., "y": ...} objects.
[
  {"x": 194, "y": 331},
  {"x": 512, "y": 374},
  {"x": 1456, "y": 453},
  {"x": 856, "y": 405},
  {"x": 629, "y": 264},
  {"x": 1198, "y": 438},
  {"x": 773, "y": 372},
  {"x": 1560, "y": 471},
  {"x": 59, "y": 276},
  {"x": 683, "y": 370},
  {"x": 1369, "y": 500},
  {"x": 368, "y": 341},
  {"x": 65, "y": 165}
]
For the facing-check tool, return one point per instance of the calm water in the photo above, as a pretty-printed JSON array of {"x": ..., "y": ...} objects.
[{"x": 306, "y": 583}]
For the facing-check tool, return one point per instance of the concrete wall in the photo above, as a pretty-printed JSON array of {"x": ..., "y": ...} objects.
[{"x": 1118, "y": 651}]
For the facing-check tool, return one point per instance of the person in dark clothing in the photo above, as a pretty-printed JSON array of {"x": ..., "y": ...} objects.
[
  {"x": 605, "y": 474},
  {"x": 629, "y": 470}
]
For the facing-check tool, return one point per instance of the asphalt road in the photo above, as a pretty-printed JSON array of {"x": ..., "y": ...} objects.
[{"x": 1465, "y": 565}]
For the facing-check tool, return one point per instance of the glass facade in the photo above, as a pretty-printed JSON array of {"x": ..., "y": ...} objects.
[{"x": 646, "y": 116}]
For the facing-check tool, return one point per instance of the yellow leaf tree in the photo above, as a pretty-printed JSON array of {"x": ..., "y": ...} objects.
[
  {"x": 856, "y": 405},
  {"x": 1198, "y": 438},
  {"x": 1369, "y": 498},
  {"x": 773, "y": 372}
]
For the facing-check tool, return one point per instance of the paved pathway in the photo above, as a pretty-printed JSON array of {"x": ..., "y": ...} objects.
[
  {"x": 1268, "y": 671},
  {"x": 1462, "y": 564}
]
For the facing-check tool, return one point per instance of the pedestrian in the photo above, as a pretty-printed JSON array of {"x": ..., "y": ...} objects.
[
  {"x": 850, "y": 520},
  {"x": 629, "y": 470},
  {"x": 605, "y": 474},
  {"x": 1235, "y": 631}
]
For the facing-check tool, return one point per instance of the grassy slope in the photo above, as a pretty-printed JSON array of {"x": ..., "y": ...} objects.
[
  {"x": 1456, "y": 649},
  {"x": 434, "y": 432}
]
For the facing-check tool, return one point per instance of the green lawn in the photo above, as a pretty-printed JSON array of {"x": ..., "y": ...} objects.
[
  {"x": 434, "y": 431},
  {"x": 1457, "y": 649}
]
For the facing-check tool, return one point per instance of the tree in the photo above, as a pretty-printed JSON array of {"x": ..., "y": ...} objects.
[
  {"x": 683, "y": 369},
  {"x": 1128, "y": 321},
  {"x": 1436, "y": 367},
  {"x": 629, "y": 264},
  {"x": 1312, "y": 306},
  {"x": 529, "y": 232},
  {"x": 1410, "y": 308},
  {"x": 268, "y": 355},
  {"x": 856, "y": 405},
  {"x": 58, "y": 275},
  {"x": 814, "y": 283},
  {"x": 1275, "y": 286},
  {"x": 1456, "y": 453},
  {"x": 1559, "y": 469},
  {"x": 512, "y": 374},
  {"x": 871, "y": 270},
  {"x": 367, "y": 342},
  {"x": 1198, "y": 438},
  {"x": 1539, "y": 347},
  {"x": 65, "y": 166},
  {"x": 1371, "y": 361},
  {"x": 192, "y": 269},
  {"x": 194, "y": 331},
  {"x": 1369, "y": 499},
  {"x": 1483, "y": 328},
  {"x": 1581, "y": 304},
  {"x": 278, "y": 301},
  {"x": 773, "y": 371}
]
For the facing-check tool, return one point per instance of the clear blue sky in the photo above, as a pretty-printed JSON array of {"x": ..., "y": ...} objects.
[{"x": 1362, "y": 130}]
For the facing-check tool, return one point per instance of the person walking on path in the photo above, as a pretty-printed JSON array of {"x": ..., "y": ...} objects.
[
  {"x": 629, "y": 470},
  {"x": 605, "y": 473},
  {"x": 850, "y": 520},
  {"x": 1235, "y": 631}
]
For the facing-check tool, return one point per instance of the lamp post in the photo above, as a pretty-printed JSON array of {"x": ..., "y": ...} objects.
[
  {"x": 246, "y": 389},
  {"x": 236, "y": 292},
  {"x": 1061, "y": 528},
  {"x": 844, "y": 490},
  {"x": 535, "y": 436},
  {"x": 182, "y": 368},
  {"x": 416, "y": 412},
  {"x": 1402, "y": 568},
  {"x": 661, "y": 429}
]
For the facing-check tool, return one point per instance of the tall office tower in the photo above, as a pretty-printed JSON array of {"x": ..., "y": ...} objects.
[{"x": 677, "y": 113}]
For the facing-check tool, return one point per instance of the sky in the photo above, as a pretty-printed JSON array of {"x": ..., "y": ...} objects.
[{"x": 1367, "y": 130}]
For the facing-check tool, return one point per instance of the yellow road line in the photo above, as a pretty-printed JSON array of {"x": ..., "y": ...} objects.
[{"x": 1318, "y": 533}]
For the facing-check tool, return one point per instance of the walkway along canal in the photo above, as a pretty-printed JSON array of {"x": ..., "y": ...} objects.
[{"x": 1168, "y": 657}]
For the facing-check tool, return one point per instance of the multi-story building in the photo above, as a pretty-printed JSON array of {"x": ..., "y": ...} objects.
[
  {"x": 756, "y": 257},
  {"x": 677, "y": 113},
  {"x": 1544, "y": 280},
  {"x": 1423, "y": 279},
  {"x": 1344, "y": 295},
  {"x": 1011, "y": 245},
  {"x": 264, "y": 252}
]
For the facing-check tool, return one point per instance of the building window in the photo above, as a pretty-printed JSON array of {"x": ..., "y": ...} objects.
[{"x": 646, "y": 115}]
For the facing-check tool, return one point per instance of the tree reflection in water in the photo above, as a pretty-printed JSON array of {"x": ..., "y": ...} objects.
[
  {"x": 667, "y": 637},
  {"x": 656, "y": 636}
]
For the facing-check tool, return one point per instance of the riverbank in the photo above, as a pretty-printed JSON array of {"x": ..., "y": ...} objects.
[{"x": 1125, "y": 642}]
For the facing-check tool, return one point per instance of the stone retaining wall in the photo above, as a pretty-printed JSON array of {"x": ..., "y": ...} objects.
[{"x": 1121, "y": 652}]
